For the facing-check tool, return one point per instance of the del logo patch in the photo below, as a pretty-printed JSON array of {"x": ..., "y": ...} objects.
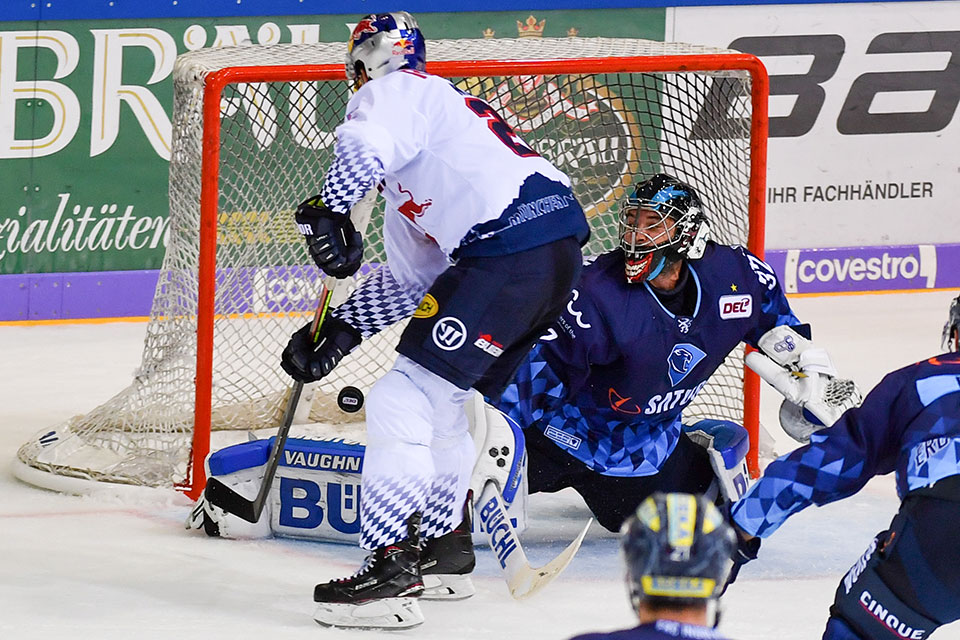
[
  {"x": 427, "y": 308},
  {"x": 682, "y": 360},
  {"x": 736, "y": 306}
]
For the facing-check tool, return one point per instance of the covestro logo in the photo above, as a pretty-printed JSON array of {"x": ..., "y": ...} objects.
[{"x": 860, "y": 269}]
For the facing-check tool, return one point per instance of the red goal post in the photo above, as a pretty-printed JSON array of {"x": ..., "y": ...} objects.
[{"x": 604, "y": 116}]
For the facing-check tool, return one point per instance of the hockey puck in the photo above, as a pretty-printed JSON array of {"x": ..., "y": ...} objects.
[{"x": 350, "y": 399}]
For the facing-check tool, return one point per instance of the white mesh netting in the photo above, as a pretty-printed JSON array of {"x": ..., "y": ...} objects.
[{"x": 602, "y": 129}]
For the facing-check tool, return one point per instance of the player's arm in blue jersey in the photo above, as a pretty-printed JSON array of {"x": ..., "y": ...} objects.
[{"x": 836, "y": 463}]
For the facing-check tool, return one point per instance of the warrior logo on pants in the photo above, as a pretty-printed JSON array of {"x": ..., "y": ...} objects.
[{"x": 449, "y": 333}]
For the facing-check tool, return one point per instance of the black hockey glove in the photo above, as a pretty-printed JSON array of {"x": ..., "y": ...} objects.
[
  {"x": 747, "y": 550},
  {"x": 334, "y": 244},
  {"x": 305, "y": 361}
]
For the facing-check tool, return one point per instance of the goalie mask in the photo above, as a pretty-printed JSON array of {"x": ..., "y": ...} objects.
[
  {"x": 661, "y": 222},
  {"x": 381, "y": 43},
  {"x": 677, "y": 549},
  {"x": 951, "y": 330}
]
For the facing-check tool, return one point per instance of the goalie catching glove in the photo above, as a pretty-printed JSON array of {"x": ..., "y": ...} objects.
[
  {"x": 806, "y": 377},
  {"x": 306, "y": 361},
  {"x": 334, "y": 243}
]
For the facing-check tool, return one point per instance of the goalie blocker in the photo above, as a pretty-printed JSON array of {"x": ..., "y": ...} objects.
[{"x": 317, "y": 492}]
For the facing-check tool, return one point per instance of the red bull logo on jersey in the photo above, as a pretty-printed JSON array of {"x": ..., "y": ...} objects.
[{"x": 411, "y": 208}]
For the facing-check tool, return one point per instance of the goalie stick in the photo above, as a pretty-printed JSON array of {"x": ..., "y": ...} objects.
[
  {"x": 219, "y": 494},
  {"x": 522, "y": 579},
  {"x": 222, "y": 496}
]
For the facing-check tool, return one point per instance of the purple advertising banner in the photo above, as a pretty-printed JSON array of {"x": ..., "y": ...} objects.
[
  {"x": 124, "y": 294},
  {"x": 862, "y": 269}
]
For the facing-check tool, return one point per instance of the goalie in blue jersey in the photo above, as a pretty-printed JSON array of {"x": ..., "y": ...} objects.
[
  {"x": 601, "y": 397},
  {"x": 907, "y": 583}
]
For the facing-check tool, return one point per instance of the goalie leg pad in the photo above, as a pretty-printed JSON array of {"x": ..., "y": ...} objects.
[
  {"x": 218, "y": 523},
  {"x": 384, "y": 613},
  {"x": 501, "y": 457},
  {"x": 726, "y": 444}
]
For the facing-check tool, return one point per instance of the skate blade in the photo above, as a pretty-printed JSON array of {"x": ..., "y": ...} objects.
[
  {"x": 384, "y": 613},
  {"x": 447, "y": 587}
]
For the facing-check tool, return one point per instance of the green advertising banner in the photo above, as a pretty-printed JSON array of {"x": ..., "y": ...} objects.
[{"x": 85, "y": 120}]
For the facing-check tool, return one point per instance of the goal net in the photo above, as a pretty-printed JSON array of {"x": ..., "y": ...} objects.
[{"x": 253, "y": 135}]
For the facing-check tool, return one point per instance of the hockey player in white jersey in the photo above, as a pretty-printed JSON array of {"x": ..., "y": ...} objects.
[{"x": 483, "y": 241}]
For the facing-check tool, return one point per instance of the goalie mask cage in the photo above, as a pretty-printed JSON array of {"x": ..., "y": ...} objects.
[{"x": 253, "y": 135}]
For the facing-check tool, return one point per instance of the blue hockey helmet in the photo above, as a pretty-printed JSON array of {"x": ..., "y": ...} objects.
[
  {"x": 951, "y": 330},
  {"x": 661, "y": 222},
  {"x": 678, "y": 550},
  {"x": 384, "y": 42}
]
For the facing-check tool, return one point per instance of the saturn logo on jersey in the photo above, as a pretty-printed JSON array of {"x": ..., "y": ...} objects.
[
  {"x": 682, "y": 360},
  {"x": 449, "y": 333}
]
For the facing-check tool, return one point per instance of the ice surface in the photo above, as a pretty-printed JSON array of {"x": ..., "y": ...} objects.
[{"x": 107, "y": 567}]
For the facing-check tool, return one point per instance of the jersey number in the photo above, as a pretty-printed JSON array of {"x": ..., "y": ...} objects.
[{"x": 500, "y": 128}]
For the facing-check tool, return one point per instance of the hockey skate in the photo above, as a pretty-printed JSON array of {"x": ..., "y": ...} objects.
[
  {"x": 382, "y": 594},
  {"x": 446, "y": 563}
]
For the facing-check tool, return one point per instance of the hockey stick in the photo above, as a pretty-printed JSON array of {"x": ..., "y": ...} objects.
[
  {"x": 220, "y": 495},
  {"x": 522, "y": 579}
]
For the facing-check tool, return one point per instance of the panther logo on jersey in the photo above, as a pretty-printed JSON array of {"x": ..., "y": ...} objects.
[{"x": 682, "y": 360}]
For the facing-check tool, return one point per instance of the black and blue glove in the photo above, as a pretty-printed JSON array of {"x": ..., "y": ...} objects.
[{"x": 334, "y": 243}]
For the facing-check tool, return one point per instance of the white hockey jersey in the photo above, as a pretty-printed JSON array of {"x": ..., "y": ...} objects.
[{"x": 449, "y": 163}]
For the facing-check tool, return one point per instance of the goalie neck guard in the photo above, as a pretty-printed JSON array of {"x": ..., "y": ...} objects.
[
  {"x": 661, "y": 222},
  {"x": 677, "y": 549},
  {"x": 384, "y": 42}
]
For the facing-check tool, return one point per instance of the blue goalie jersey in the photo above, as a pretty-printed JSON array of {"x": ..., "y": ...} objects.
[
  {"x": 909, "y": 423},
  {"x": 609, "y": 381}
]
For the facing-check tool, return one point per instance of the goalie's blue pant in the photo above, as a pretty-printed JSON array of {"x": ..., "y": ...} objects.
[
  {"x": 907, "y": 583},
  {"x": 612, "y": 499}
]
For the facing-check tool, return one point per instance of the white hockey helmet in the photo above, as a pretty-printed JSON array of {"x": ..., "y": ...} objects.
[{"x": 384, "y": 42}]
